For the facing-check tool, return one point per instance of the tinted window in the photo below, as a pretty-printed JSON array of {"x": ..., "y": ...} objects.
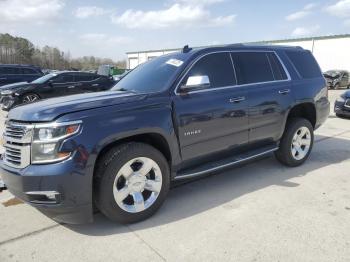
[
  {"x": 83, "y": 77},
  {"x": 304, "y": 63},
  {"x": 28, "y": 71},
  {"x": 277, "y": 68},
  {"x": 252, "y": 67},
  {"x": 10, "y": 70},
  {"x": 218, "y": 67},
  {"x": 63, "y": 78}
]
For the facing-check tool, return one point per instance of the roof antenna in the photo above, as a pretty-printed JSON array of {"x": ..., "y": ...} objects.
[{"x": 186, "y": 49}]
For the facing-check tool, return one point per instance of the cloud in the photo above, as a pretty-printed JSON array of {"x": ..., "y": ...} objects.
[
  {"x": 347, "y": 22},
  {"x": 340, "y": 9},
  {"x": 89, "y": 11},
  {"x": 201, "y": 2},
  {"x": 183, "y": 13},
  {"x": 29, "y": 10},
  {"x": 305, "y": 31},
  {"x": 302, "y": 13},
  {"x": 93, "y": 38}
]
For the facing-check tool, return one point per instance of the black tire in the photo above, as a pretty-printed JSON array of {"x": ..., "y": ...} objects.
[
  {"x": 106, "y": 172},
  {"x": 25, "y": 98},
  {"x": 284, "y": 153}
]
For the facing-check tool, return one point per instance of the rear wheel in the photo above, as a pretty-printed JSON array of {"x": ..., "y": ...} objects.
[
  {"x": 132, "y": 181},
  {"x": 30, "y": 98},
  {"x": 296, "y": 143}
]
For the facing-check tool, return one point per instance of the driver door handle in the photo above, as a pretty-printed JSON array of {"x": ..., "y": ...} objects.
[
  {"x": 95, "y": 85},
  {"x": 70, "y": 87},
  {"x": 237, "y": 99},
  {"x": 283, "y": 92}
]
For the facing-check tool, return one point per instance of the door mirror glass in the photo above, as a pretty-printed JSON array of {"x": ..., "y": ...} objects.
[{"x": 196, "y": 82}]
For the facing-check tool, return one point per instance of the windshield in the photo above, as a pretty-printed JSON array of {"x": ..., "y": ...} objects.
[
  {"x": 153, "y": 76},
  {"x": 43, "y": 79}
]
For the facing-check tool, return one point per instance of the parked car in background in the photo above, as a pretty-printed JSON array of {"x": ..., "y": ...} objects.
[
  {"x": 53, "y": 85},
  {"x": 342, "y": 105},
  {"x": 18, "y": 73},
  {"x": 175, "y": 117},
  {"x": 337, "y": 78}
]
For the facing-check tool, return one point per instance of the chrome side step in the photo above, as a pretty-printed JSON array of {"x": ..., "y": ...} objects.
[{"x": 233, "y": 162}]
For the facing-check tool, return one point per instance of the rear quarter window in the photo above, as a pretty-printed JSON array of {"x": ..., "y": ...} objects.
[
  {"x": 304, "y": 63},
  {"x": 252, "y": 67}
]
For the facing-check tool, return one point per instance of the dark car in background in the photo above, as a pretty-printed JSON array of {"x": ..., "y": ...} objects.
[
  {"x": 53, "y": 85},
  {"x": 18, "y": 73},
  {"x": 337, "y": 78},
  {"x": 342, "y": 105}
]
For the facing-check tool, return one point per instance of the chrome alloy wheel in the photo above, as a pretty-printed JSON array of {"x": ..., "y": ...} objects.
[
  {"x": 137, "y": 184},
  {"x": 301, "y": 143},
  {"x": 30, "y": 98}
]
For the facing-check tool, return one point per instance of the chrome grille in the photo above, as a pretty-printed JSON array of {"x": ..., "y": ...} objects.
[
  {"x": 16, "y": 132},
  {"x": 17, "y": 138}
]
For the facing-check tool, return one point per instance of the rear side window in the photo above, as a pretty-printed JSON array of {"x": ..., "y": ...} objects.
[
  {"x": 252, "y": 67},
  {"x": 218, "y": 67},
  {"x": 304, "y": 63},
  {"x": 83, "y": 77},
  {"x": 277, "y": 68}
]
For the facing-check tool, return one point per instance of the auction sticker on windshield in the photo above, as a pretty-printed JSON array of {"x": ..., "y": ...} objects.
[{"x": 174, "y": 62}]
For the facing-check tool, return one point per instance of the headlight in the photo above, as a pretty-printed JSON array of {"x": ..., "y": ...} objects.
[
  {"x": 6, "y": 92},
  {"x": 47, "y": 141}
]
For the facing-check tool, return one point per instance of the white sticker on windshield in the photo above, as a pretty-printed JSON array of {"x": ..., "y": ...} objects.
[{"x": 174, "y": 62}]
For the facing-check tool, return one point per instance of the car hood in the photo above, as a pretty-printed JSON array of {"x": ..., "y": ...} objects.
[
  {"x": 50, "y": 109},
  {"x": 15, "y": 86}
]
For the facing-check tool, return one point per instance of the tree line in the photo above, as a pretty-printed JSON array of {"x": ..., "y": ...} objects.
[{"x": 18, "y": 50}]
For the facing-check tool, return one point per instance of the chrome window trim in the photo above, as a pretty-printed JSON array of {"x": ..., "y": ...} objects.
[{"x": 237, "y": 85}]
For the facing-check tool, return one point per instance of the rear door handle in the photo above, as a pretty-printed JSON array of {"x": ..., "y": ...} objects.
[
  {"x": 285, "y": 91},
  {"x": 95, "y": 85},
  {"x": 237, "y": 99},
  {"x": 70, "y": 87}
]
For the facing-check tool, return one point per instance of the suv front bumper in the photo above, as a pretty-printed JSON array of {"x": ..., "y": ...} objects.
[{"x": 56, "y": 190}]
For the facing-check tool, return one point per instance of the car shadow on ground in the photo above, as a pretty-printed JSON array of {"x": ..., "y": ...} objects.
[{"x": 218, "y": 189}]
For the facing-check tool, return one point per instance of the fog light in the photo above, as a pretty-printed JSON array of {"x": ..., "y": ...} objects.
[{"x": 43, "y": 197}]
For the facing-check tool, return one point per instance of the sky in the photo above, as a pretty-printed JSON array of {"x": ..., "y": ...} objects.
[{"x": 110, "y": 28}]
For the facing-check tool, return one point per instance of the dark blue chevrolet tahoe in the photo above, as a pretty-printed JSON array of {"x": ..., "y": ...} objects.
[{"x": 176, "y": 117}]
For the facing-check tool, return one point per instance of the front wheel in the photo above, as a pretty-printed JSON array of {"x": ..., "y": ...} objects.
[
  {"x": 296, "y": 143},
  {"x": 30, "y": 98},
  {"x": 131, "y": 182}
]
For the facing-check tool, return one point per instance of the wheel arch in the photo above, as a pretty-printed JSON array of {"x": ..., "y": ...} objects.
[{"x": 305, "y": 110}]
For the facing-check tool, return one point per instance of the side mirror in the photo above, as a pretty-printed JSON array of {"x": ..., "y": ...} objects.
[{"x": 196, "y": 82}]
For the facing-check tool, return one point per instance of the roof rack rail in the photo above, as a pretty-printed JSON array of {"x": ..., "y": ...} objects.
[{"x": 235, "y": 45}]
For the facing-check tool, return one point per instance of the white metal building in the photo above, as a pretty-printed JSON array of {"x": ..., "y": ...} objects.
[{"x": 331, "y": 52}]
